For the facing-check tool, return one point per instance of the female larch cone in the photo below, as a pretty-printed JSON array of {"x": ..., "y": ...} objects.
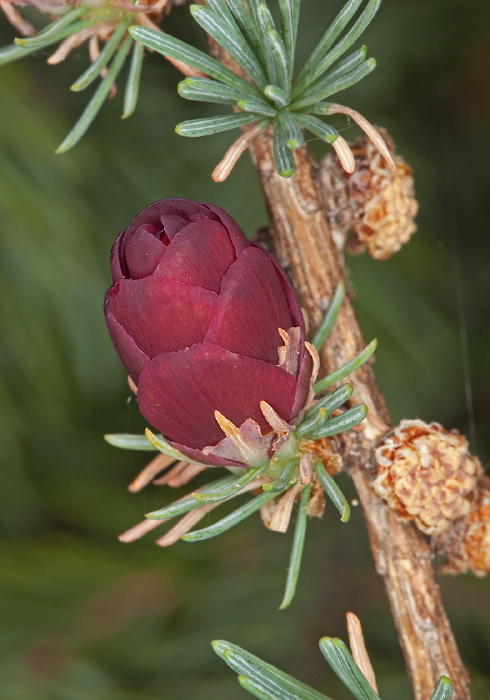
[{"x": 209, "y": 328}]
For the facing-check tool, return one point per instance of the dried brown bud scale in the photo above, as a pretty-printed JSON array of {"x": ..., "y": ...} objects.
[
  {"x": 467, "y": 544},
  {"x": 426, "y": 474},
  {"x": 316, "y": 504},
  {"x": 375, "y": 203},
  {"x": 322, "y": 450}
]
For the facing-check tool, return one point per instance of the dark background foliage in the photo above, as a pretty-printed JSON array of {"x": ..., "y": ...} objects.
[{"x": 86, "y": 617}]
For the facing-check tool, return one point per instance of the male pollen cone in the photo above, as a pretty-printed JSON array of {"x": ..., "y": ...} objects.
[{"x": 194, "y": 313}]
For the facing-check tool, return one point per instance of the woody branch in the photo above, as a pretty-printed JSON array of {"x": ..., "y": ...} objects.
[{"x": 302, "y": 241}]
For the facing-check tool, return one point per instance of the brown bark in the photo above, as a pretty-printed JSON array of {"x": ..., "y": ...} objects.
[{"x": 401, "y": 553}]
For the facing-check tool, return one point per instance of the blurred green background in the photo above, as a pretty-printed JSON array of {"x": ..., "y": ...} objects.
[{"x": 84, "y": 616}]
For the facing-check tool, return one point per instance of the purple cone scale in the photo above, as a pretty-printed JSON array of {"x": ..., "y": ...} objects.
[{"x": 194, "y": 314}]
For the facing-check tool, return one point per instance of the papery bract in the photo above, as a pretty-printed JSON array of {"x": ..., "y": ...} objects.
[{"x": 198, "y": 316}]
